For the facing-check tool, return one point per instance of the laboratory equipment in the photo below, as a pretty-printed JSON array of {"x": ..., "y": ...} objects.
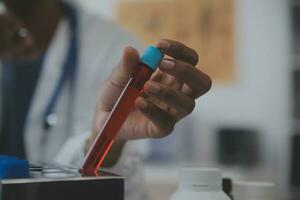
[
  {"x": 200, "y": 183},
  {"x": 253, "y": 190}
]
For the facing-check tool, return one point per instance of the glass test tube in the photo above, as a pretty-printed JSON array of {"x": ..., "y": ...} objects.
[{"x": 105, "y": 139}]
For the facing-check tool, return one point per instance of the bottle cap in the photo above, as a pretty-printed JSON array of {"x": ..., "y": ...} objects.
[
  {"x": 3, "y": 157},
  {"x": 227, "y": 185},
  {"x": 200, "y": 177},
  {"x": 11, "y": 167},
  {"x": 253, "y": 190},
  {"x": 152, "y": 57}
]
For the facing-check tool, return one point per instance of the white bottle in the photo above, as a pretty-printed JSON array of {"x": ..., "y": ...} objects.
[
  {"x": 200, "y": 184},
  {"x": 253, "y": 191}
]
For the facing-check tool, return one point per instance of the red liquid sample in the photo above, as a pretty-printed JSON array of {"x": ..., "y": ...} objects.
[{"x": 113, "y": 124}]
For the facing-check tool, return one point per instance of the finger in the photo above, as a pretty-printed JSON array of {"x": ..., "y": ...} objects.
[
  {"x": 126, "y": 68},
  {"x": 198, "y": 81},
  {"x": 157, "y": 75},
  {"x": 174, "y": 98},
  {"x": 168, "y": 80},
  {"x": 165, "y": 79},
  {"x": 178, "y": 51},
  {"x": 118, "y": 79},
  {"x": 162, "y": 124}
]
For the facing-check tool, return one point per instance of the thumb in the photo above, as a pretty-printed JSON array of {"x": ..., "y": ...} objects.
[
  {"x": 118, "y": 79},
  {"x": 123, "y": 72}
]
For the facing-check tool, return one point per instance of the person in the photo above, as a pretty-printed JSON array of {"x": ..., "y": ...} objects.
[{"x": 55, "y": 57}]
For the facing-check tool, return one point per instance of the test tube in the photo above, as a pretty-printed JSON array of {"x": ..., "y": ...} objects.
[{"x": 105, "y": 138}]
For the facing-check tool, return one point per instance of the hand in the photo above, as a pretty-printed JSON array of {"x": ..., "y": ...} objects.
[
  {"x": 168, "y": 96},
  {"x": 15, "y": 40}
]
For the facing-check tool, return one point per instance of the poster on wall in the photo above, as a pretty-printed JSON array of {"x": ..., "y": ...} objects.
[{"x": 205, "y": 25}]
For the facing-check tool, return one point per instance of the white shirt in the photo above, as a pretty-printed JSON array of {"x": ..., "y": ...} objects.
[{"x": 100, "y": 48}]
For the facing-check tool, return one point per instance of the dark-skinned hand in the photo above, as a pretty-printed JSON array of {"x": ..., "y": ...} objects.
[{"x": 168, "y": 96}]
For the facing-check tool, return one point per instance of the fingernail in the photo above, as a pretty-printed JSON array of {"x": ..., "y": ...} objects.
[
  {"x": 167, "y": 64},
  {"x": 154, "y": 88},
  {"x": 163, "y": 44},
  {"x": 142, "y": 103}
]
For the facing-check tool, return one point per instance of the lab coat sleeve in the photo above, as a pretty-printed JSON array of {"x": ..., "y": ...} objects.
[{"x": 72, "y": 153}]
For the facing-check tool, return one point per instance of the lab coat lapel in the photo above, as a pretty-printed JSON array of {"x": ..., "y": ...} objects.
[{"x": 51, "y": 70}]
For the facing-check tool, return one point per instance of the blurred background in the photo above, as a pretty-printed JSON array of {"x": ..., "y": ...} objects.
[{"x": 249, "y": 123}]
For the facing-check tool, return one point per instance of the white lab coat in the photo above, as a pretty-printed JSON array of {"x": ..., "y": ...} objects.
[{"x": 100, "y": 47}]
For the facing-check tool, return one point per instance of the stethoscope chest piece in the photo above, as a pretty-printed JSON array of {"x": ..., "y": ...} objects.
[{"x": 51, "y": 120}]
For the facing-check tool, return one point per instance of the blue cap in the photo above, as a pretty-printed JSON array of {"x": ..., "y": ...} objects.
[
  {"x": 11, "y": 167},
  {"x": 152, "y": 57},
  {"x": 4, "y": 157}
]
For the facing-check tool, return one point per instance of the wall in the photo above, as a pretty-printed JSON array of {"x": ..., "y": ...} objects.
[
  {"x": 260, "y": 95},
  {"x": 104, "y": 8}
]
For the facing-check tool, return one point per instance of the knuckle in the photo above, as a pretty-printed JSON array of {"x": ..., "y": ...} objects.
[
  {"x": 116, "y": 82},
  {"x": 191, "y": 107},
  {"x": 196, "y": 57},
  {"x": 207, "y": 84},
  {"x": 167, "y": 94},
  {"x": 182, "y": 68},
  {"x": 169, "y": 129}
]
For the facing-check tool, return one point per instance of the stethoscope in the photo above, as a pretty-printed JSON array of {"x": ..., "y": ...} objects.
[{"x": 70, "y": 64}]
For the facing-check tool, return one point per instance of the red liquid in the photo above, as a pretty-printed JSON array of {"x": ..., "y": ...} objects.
[{"x": 113, "y": 124}]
